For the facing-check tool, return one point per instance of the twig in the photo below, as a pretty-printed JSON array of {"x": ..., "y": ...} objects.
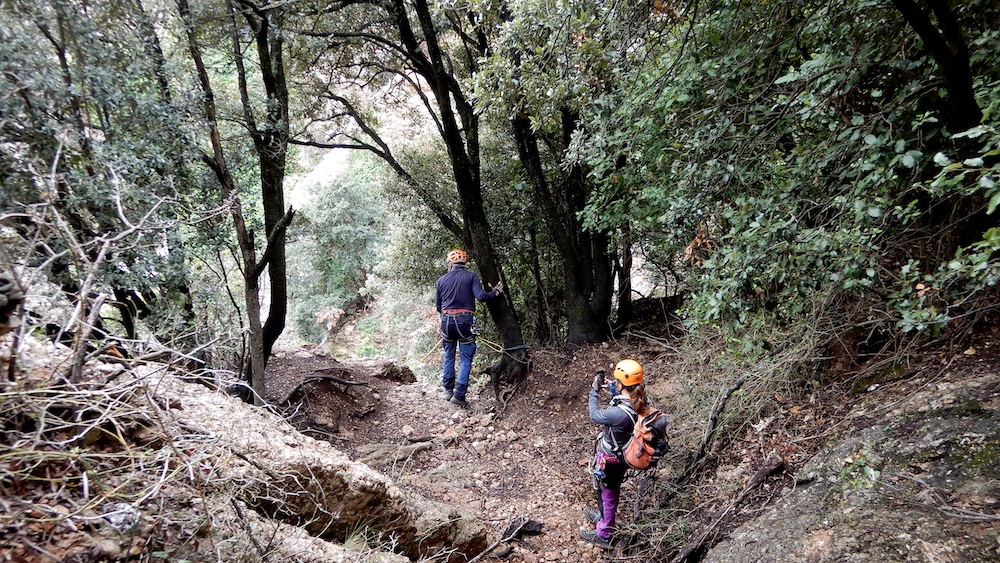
[
  {"x": 713, "y": 422},
  {"x": 39, "y": 549},
  {"x": 939, "y": 504},
  {"x": 510, "y": 536},
  {"x": 650, "y": 338},
  {"x": 309, "y": 379},
  {"x": 246, "y": 526},
  {"x": 773, "y": 463}
]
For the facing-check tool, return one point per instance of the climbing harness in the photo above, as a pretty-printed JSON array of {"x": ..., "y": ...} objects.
[
  {"x": 451, "y": 319},
  {"x": 612, "y": 444}
]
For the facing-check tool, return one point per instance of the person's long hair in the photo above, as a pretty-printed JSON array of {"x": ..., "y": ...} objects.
[{"x": 640, "y": 402}]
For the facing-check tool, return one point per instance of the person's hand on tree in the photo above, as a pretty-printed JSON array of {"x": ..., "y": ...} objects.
[{"x": 498, "y": 288}]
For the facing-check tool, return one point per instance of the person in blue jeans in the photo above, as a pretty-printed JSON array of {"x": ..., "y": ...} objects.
[{"x": 455, "y": 299}]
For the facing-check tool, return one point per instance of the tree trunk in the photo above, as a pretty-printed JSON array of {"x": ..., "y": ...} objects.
[
  {"x": 271, "y": 143},
  {"x": 543, "y": 328},
  {"x": 625, "y": 279},
  {"x": 217, "y": 162},
  {"x": 584, "y": 256},
  {"x": 462, "y": 141},
  {"x": 946, "y": 45},
  {"x": 421, "y": 53}
]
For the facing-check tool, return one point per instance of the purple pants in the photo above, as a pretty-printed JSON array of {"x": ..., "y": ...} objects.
[
  {"x": 609, "y": 501},
  {"x": 613, "y": 473}
]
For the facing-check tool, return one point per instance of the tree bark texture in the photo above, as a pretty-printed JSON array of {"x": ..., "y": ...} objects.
[
  {"x": 584, "y": 255},
  {"x": 946, "y": 44}
]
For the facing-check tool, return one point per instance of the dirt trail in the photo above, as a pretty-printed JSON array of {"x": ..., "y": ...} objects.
[{"x": 527, "y": 458}]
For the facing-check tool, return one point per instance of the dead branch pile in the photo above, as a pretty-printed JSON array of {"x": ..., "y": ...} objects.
[
  {"x": 75, "y": 473},
  {"x": 92, "y": 472}
]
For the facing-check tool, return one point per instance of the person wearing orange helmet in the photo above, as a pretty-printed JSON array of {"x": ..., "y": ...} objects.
[
  {"x": 455, "y": 299},
  {"x": 628, "y": 402}
]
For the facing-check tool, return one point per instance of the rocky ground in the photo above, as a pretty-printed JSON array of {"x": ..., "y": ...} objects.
[
  {"x": 523, "y": 459},
  {"x": 894, "y": 464},
  {"x": 528, "y": 458}
]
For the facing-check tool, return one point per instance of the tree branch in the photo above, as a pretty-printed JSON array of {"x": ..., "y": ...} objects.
[{"x": 272, "y": 241}]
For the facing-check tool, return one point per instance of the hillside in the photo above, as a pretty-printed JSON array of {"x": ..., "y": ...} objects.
[
  {"x": 528, "y": 458},
  {"x": 901, "y": 470}
]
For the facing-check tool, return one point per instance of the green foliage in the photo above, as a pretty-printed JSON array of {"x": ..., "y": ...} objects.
[
  {"x": 859, "y": 471},
  {"x": 929, "y": 300},
  {"x": 91, "y": 157},
  {"x": 336, "y": 247},
  {"x": 798, "y": 138},
  {"x": 553, "y": 56}
]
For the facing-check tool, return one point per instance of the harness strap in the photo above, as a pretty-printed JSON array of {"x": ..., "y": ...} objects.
[
  {"x": 613, "y": 445},
  {"x": 450, "y": 320}
]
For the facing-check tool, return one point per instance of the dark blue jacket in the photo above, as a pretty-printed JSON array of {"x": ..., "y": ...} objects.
[{"x": 458, "y": 289}]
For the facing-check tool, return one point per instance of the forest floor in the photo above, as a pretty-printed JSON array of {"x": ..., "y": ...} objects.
[
  {"x": 529, "y": 457},
  {"x": 526, "y": 458}
]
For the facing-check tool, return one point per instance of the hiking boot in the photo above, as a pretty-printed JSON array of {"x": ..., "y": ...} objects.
[
  {"x": 590, "y": 536},
  {"x": 592, "y": 515},
  {"x": 447, "y": 394},
  {"x": 460, "y": 402}
]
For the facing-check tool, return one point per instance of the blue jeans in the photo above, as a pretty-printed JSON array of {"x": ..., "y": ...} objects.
[{"x": 456, "y": 333}]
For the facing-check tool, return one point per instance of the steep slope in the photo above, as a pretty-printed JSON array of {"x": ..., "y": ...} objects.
[{"x": 902, "y": 470}]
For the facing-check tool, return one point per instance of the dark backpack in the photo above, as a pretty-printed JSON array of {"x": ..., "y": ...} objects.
[{"x": 648, "y": 442}]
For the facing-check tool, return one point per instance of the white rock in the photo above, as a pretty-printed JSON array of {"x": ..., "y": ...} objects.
[{"x": 122, "y": 516}]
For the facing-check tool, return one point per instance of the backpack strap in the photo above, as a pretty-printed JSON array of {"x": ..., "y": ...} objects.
[
  {"x": 613, "y": 444},
  {"x": 627, "y": 407}
]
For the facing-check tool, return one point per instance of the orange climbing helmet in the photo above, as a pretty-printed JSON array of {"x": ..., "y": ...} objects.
[
  {"x": 457, "y": 256},
  {"x": 628, "y": 372}
]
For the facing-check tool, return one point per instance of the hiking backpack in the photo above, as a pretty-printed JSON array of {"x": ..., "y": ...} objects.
[{"x": 648, "y": 442}]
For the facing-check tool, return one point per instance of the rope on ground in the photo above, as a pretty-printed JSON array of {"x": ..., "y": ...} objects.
[
  {"x": 491, "y": 345},
  {"x": 496, "y": 347},
  {"x": 431, "y": 351}
]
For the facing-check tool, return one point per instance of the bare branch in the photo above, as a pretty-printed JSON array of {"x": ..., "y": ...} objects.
[{"x": 272, "y": 240}]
